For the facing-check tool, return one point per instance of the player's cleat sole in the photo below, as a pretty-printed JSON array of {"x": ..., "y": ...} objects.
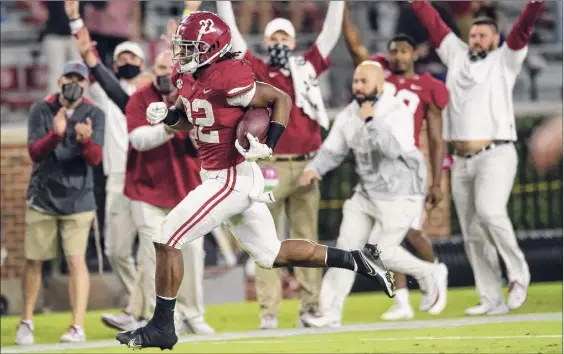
[
  {"x": 147, "y": 337},
  {"x": 374, "y": 268}
]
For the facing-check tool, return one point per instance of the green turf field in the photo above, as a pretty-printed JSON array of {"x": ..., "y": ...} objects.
[{"x": 531, "y": 335}]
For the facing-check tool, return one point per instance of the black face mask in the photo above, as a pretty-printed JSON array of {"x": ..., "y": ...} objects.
[
  {"x": 164, "y": 84},
  {"x": 71, "y": 92},
  {"x": 475, "y": 56},
  {"x": 128, "y": 71},
  {"x": 278, "y": 55}
]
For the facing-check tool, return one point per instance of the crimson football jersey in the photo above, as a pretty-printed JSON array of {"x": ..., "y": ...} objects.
[
  {"x": 214, "y": 119},
  {"x": 417, "y": 93}
]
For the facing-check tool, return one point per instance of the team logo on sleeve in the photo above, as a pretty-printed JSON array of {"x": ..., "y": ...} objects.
[{"x": 179, "y": 83}]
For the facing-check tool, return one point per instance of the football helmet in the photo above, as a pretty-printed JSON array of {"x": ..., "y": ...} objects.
[{"x": 201, "y": 39}]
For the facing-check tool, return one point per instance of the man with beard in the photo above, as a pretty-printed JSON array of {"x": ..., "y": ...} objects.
[
  {"x": 297, "y": 76},
  {"x": 426, "y": 97},
  {"x": 480, "y": 122},
  {"x": 378, "y": 127}
]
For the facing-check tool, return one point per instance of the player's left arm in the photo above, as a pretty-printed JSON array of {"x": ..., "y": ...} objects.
[{"x": 514, "y": 49}]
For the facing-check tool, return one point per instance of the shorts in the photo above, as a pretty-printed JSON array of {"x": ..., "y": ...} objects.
[{"x": 41, "y": 233}]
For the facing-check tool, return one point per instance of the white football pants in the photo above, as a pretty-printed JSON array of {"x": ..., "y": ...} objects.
[{"x": 224, "y": 197}]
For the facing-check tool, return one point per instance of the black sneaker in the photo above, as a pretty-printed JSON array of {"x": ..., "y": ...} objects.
[
  {"x": 148, "y": 337},
  {"x": 369, "y": 264}
]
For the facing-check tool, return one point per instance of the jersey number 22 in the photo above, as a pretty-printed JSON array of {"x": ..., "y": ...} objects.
[{"x": 207, "y": 121}]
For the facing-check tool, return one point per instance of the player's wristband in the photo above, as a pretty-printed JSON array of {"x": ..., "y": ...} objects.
[
  {"x": 275, "y": 130},
  {"x": 174, "y": 115}
]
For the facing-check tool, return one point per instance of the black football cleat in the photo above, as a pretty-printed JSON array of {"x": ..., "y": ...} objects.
[
  {"x": 148, "y": 337},
  {"x": 370, "y": 265}
]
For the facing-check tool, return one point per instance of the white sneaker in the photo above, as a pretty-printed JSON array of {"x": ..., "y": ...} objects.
[
  {"x": 441, "y": 278},
  {"x": 268, "y": 322},
  {"x": 517, "y": 296},
  {"x": 24, "y": 335},
  {"x": 198, "y": 325},
  {"x": 398, "y": 312},
  {"x": 302, "y": 323},
  {"x": 122, "y": 322},
  {"x": 328, "y": 320},
  {"x": 75, "y": 334},
  {"x": 483, "y": 309}
]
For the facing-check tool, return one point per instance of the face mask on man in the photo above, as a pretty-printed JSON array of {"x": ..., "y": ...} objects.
[
  {"x": 72, "y": 92},
  {"x": 164, "y": 84},
  {"x": 278, "y": 55},
  {"x": 128, "y": 71}
]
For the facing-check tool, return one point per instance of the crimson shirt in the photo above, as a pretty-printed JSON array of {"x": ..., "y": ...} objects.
[
  {"x": 302, "y": 134},
  {"x": 215, "y": 120},
  {"x": 417, "y": 93},
  {"x": 162, "y": 176}
]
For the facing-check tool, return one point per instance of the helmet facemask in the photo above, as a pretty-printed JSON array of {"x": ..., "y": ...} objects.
[{"x": 190, "y": 54}]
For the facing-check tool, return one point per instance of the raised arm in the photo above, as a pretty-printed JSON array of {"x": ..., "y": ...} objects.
[
  {"x": 520, "y": 35},
  {"x": 357, "y": 50},
  {"x": 225, "y": 11},
  {"x": 331, "y": 31},
  {"x": 441, "y": 36},
  {"x": 104, "y": 76}
]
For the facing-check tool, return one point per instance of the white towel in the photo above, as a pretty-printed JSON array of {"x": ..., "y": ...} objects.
[{"x": 307, "y": 90}]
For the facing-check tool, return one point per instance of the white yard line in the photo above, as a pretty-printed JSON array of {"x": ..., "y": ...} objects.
[
  {"x": 399, "y": 339},
  {"x": 282, "y": 333}
]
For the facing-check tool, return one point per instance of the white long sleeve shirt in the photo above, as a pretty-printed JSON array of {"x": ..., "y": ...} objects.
[
  {"x": 116, "y": 141},
  {"x": 481, "y": 92},
  {"x": 388, "y": 163}
]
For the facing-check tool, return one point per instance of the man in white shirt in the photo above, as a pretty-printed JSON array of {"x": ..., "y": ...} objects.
[
  {"x": 378, "y": 127},
  {"x": 481, "y": 123}
]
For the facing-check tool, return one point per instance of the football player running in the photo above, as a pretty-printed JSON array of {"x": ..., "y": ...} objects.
[{"x": 215, "y": 90}]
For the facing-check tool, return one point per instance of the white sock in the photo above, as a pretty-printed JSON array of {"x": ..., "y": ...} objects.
[
  {"x": 166, "y": 298},
  {"x": 29, "y": 323},
  {"x": 402, "y": 297}
]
